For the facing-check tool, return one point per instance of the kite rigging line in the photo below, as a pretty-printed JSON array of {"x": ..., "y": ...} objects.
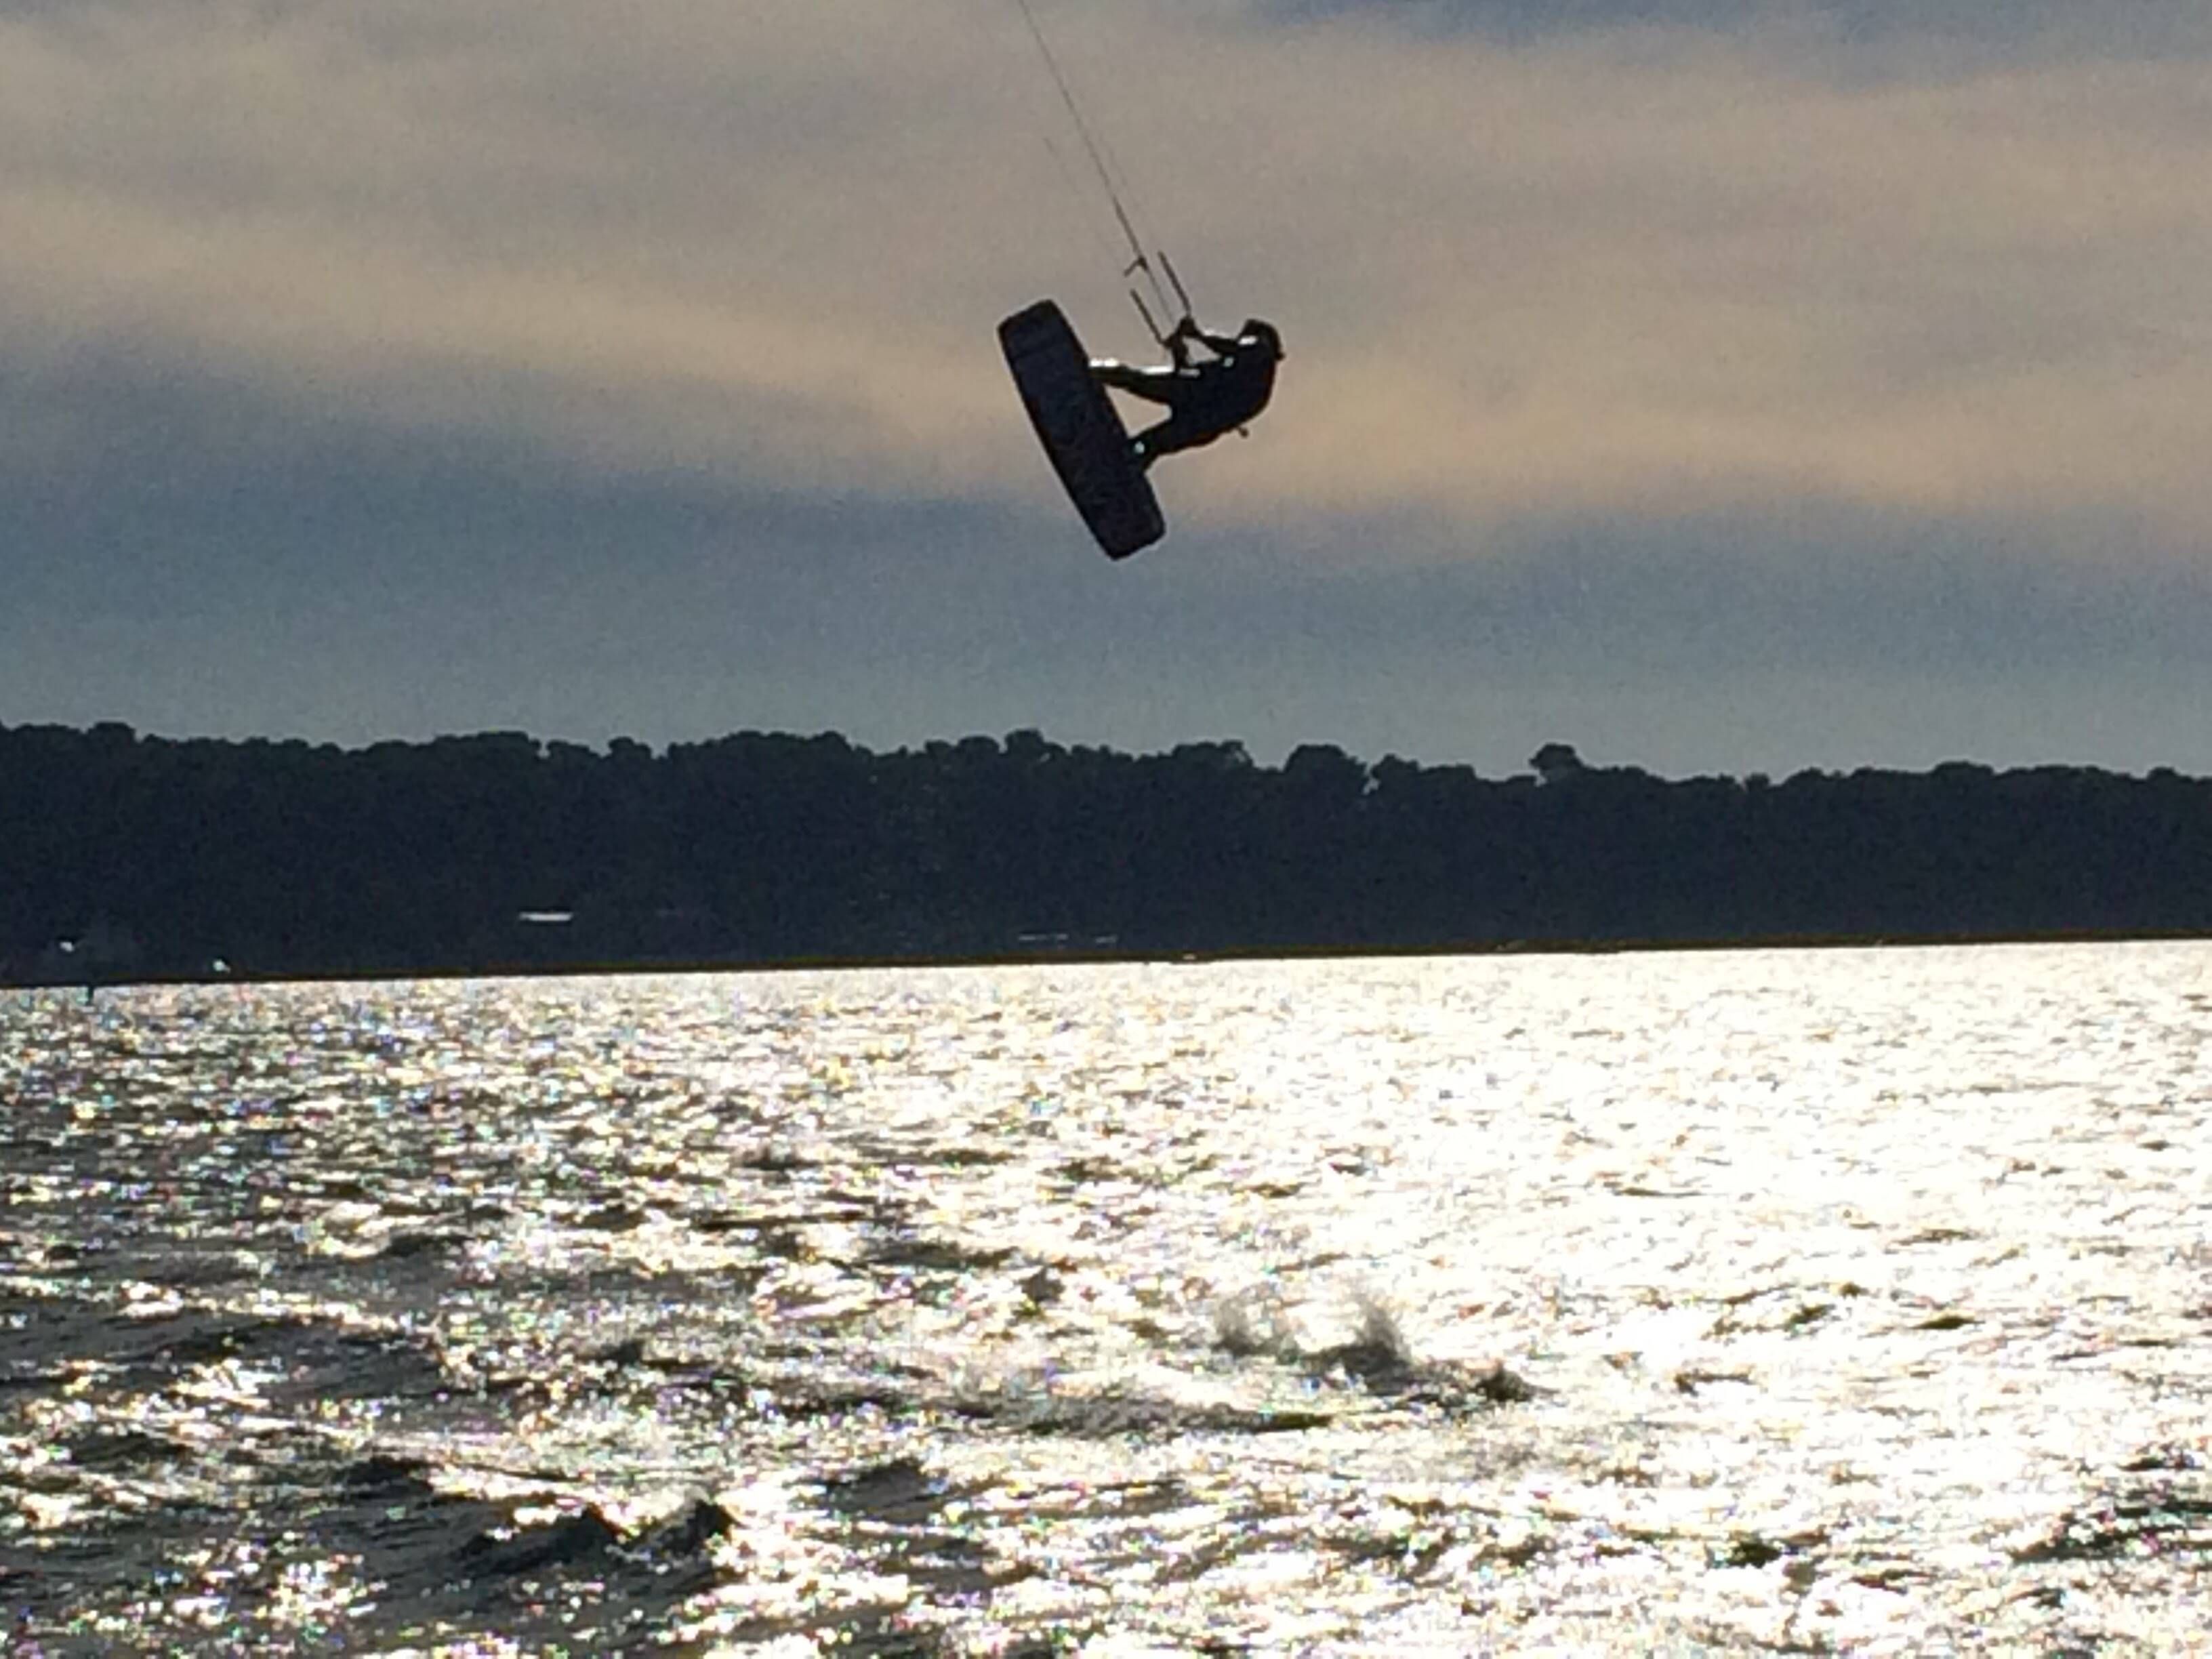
[{"x": 1176, "y": 303}]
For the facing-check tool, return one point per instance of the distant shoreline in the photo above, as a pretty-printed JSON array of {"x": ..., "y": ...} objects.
[
  {"x": 135, "y": 860},
  {"x": 707, "y": 967}
]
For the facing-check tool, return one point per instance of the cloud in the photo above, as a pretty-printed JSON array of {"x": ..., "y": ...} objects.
[
  {"x": 1705, "y": 387},
  {"x": 1520, "y": 270},
  {"x": 1600, "y": 276},
  {"x": 241, "y": 564},
  {"x": 1924, "y": 27},
  {"x": 633, "y": 238}
]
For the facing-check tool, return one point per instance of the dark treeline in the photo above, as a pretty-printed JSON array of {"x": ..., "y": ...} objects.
[{"x": 124, "y": 855}]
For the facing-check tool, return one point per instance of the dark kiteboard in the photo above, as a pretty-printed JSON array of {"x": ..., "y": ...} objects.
[{"x": 1082, "y": 435}]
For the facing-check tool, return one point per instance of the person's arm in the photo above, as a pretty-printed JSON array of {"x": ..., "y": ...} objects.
[
  {"x": 1220, "y": 344},
  {"x": 1178, "y": 342}
]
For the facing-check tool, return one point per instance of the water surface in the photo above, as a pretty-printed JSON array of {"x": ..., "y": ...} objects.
[{"x": 1763, "y": 1301}]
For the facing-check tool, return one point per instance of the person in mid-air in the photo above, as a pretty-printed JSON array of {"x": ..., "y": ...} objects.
[{"x": 1204, "y": 398}]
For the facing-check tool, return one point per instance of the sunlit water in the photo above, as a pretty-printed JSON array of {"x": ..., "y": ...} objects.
[{"x": 1856, "y": 1301}]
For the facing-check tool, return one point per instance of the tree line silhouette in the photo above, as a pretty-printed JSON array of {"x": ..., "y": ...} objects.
[{"x": 129, "y": 856}]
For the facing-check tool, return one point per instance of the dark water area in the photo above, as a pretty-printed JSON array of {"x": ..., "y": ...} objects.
[{"x": 1768, "y": 1301}]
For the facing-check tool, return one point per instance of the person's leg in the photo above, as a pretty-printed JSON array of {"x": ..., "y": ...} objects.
[
  {"x": 1176, "y": 433},
  {"x": 1157, "y": 386}
]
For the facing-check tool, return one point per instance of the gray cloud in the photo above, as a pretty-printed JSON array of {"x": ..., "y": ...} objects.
[
  {"x": 1514, "y": 280},
  {"x": 2128, "y": 26},
  {"x": 1699, "y": 396},
  {"x": 244, "y": 568}
]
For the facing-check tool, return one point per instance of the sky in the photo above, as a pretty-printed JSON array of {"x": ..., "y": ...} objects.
[{"x": 1714, "y": 385}]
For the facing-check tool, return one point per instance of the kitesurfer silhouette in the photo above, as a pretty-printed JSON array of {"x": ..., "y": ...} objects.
[{"x": 1204, "y": 396}]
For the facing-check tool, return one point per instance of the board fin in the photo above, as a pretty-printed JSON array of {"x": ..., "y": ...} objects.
[{"x": 1082, "y": 434}]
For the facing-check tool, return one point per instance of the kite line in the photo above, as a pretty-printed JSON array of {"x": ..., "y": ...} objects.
[{"x": 1169, "y": 297}]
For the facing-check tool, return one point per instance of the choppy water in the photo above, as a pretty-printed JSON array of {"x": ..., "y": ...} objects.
[{"x": 1854, "y": 1300}]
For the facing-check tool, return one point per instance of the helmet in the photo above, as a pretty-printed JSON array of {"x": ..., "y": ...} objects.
[{"x": 1264, "y": 333}]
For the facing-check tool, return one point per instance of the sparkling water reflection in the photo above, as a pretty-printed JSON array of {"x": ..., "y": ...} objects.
[{"x": 1852, "y": 1300}]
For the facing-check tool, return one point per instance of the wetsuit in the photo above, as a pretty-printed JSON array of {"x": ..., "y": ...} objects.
[{"x": 1204, "y": 400}]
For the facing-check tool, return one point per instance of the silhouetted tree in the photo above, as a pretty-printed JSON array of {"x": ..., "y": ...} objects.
[{"x": 286, "y": 857}]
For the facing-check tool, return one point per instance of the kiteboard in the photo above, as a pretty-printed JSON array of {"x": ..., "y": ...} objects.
[{"x": 1083, "y": 436}]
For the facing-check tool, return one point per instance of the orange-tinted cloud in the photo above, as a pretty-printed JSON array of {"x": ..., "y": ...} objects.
[{"x": 1668, "y": 270}]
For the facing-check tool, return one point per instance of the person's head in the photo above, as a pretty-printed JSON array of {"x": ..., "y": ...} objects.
[{"x": 1262, "y": 334}]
